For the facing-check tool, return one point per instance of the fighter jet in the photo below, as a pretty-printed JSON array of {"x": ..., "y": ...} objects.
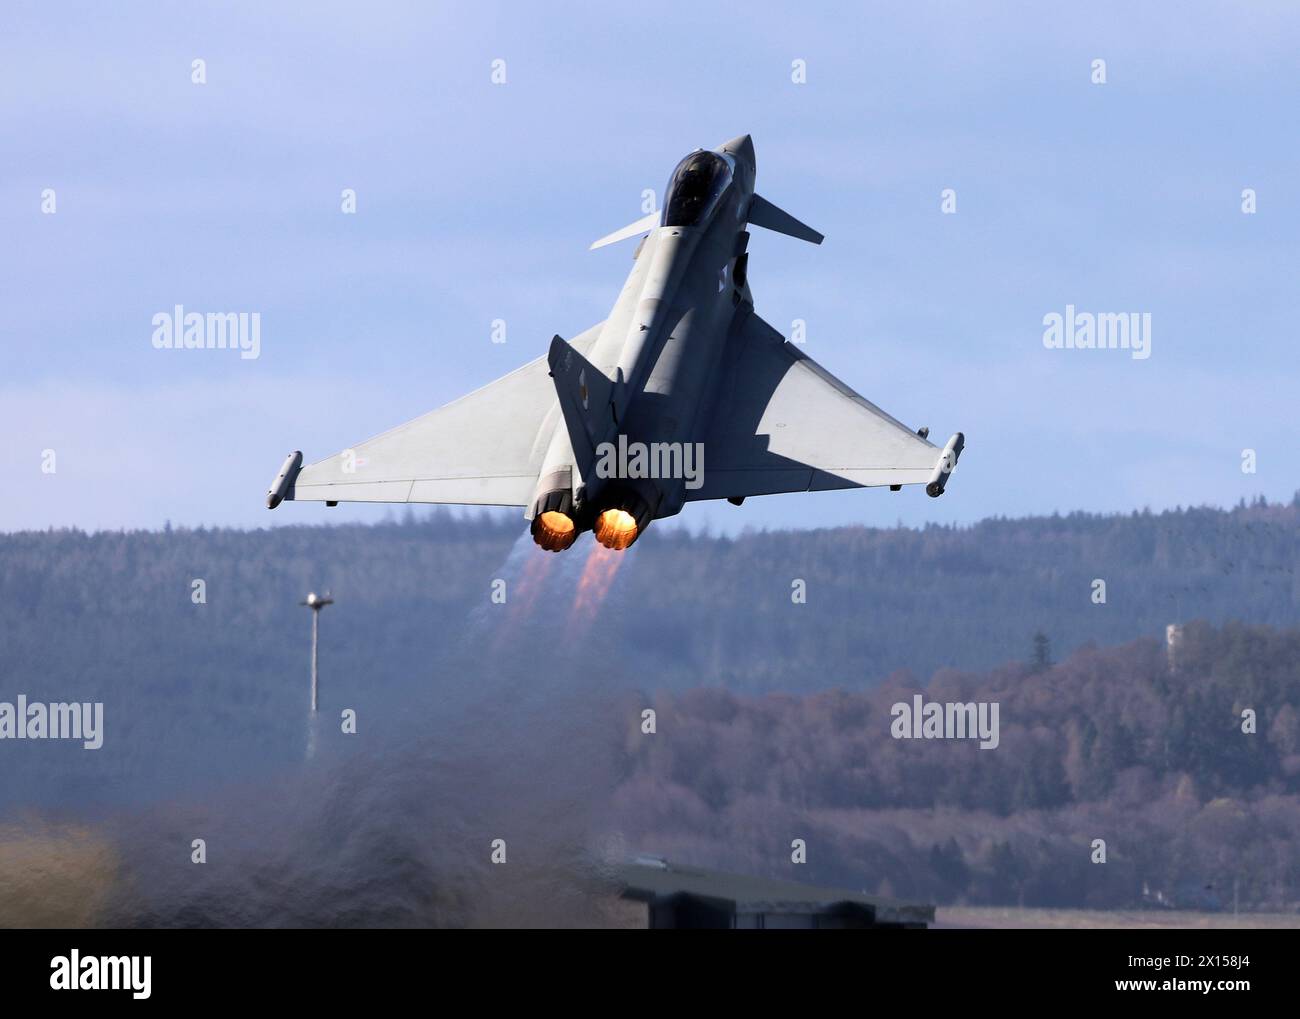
[{"x": 683, "y": 393}]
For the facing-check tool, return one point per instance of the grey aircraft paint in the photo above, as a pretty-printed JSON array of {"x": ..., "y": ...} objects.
[{"x": 681, "y": 372}]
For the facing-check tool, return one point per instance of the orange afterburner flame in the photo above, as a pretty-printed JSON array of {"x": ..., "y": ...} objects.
[
  {"x": 554, "y": 531},
  {"x": 594, "y": 584},
  {"x": 616, "y": 529}
]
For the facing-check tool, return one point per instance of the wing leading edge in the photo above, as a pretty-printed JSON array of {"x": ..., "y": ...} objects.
[{"x": 785, "y": 424}]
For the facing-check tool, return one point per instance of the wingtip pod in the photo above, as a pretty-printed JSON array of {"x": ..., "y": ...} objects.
[
  {"x": 944, "y": 468},
  {"x": 283, "y": 482}
]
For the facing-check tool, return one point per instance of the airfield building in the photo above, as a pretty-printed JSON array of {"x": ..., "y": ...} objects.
[{"x": 677, "y": 896}]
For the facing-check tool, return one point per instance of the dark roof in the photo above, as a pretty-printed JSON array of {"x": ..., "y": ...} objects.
[{"x": 649, "y": 879}]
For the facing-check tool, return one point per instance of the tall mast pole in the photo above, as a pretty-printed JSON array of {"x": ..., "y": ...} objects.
[
  {"x": 316, "y": 602},
  {"x": 315, "y": 634}
]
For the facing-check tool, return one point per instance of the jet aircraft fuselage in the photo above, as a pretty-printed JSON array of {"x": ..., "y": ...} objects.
[
  {"x": 682, "y": 393},
  {"x": 666, "y": 334}
]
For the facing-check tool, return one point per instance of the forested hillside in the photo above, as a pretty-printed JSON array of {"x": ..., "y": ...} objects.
[
  {"x": 1110, "y": 745},
  {"x": 494, "y": 682},
  {"x": 683, "y": 610}
]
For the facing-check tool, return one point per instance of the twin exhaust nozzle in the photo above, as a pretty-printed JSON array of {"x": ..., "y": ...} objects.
[{"x": 621, "y": 518}]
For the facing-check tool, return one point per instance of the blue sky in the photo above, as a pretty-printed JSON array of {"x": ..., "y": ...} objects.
[{"x": 477, "y": 202}]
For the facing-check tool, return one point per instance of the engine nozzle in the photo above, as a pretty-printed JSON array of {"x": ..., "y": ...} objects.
[
  {"x": 616, "y": 529},
  {"x": 554, "y": 531},
  {"x": 554, "y": 527},
  {"x": 621, "y": 520}
]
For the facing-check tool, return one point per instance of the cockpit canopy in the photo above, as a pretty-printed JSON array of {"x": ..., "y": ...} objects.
[{"x": 694, "y": 188}]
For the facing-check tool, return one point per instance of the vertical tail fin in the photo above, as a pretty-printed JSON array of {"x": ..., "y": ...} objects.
[{"x": 589, "y": 399}]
